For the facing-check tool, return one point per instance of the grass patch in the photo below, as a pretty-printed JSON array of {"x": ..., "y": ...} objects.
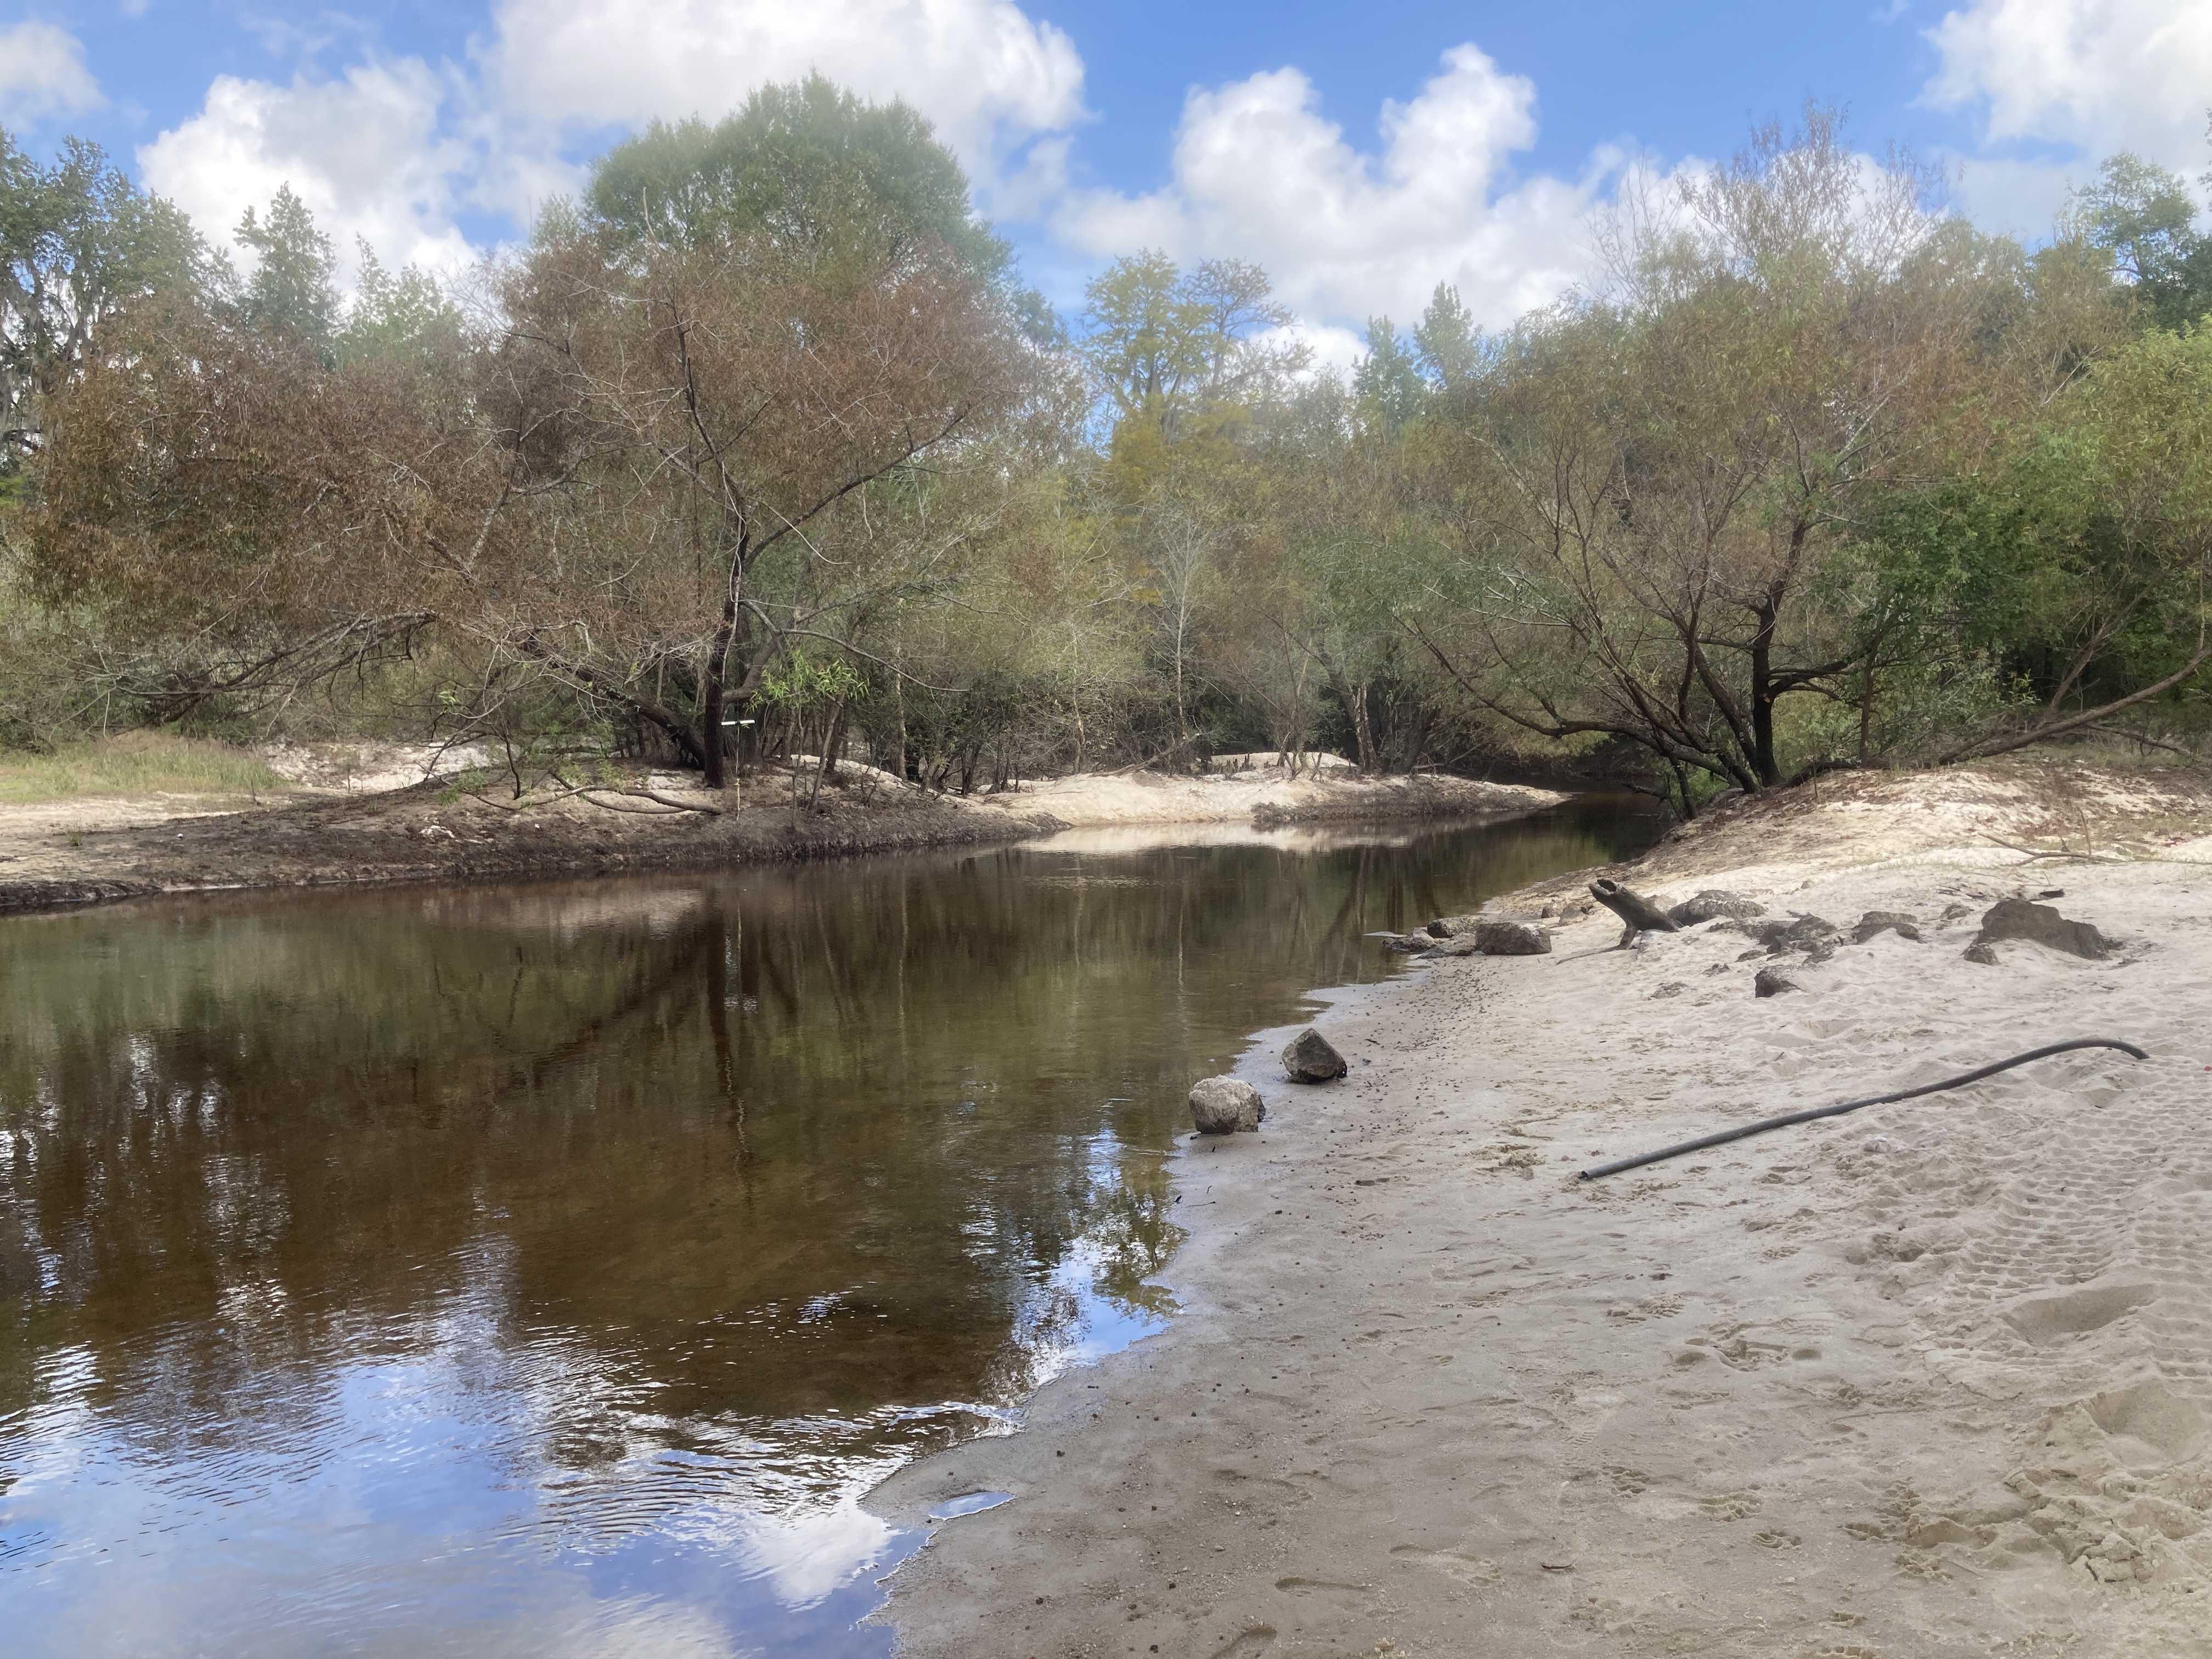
[{"x": 136, "y": 764}]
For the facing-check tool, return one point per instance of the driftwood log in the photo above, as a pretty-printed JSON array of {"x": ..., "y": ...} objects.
[{"x": 1638, "y": 913}]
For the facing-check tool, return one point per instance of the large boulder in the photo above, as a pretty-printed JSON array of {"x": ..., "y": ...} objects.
[
  {"x": 1308, "y": 1058},
  {"x": 1455, "y": 927},
  {"x": 1876, "y": 921},
  {"x": 1224, "y": 1105},
  {"x": 1713, "y": 904},
  {"x": 1410, "y": 945},
  {"x": 2039, "y": 924},
  {"x": 1496, "y": 936}
]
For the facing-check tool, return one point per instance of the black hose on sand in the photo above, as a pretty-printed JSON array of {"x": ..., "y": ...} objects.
[{"x": 1765, "y": 1124}]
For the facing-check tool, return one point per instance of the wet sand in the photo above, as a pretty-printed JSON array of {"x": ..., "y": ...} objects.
[{"x": 1934, "y": 1378}]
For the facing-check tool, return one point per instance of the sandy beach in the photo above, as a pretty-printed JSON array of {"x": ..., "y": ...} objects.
[
  {"x": 1934, "y": 1378},
  {"x": 397, "y": 817}
]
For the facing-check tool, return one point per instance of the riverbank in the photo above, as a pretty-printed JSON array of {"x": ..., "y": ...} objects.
[
  {"x": 1935, "y": 1378},
  {"x": 457, "y": 828}
]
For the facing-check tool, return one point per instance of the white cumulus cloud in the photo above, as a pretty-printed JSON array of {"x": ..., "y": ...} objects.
[
  {"x": 366, "y": 152},
  {"x": 396, "y": 150},
  {"x": 42, "y": 74},
  {"x": 989, "y": 77},
  {"x": 400, "y": 151},
  {"x": 2097, "y": 75},
  {"x": 1260, "y": 175}
]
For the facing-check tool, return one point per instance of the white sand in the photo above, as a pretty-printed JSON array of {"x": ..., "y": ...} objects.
[
  {"x": 1932, "y": 1379},
  {"x": 1262, "y": 794}
]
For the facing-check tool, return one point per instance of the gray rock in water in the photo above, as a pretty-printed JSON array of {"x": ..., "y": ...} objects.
[
  {"x": 1455, "y": 927},
  {"x": 1713, "y": 904},
  {"x": 1410, "y": 943},
  {"x": 1224, "y": 1105},
  {"x": 1308, "y": 1058},
  {"x": 1497, "y": 937},
  {"x": 1875, "y": 921},
  {"x": 1771, "y": 982},
  {"x": 2039, "y": 924}
]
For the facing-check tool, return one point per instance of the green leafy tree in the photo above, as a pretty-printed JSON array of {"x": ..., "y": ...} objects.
[
  {"x": 1448, "y": 344},
  {"x": 1387, "y": 380},
  {"x": 400, "y": 314},
  {"x": 809, "y": 167},
  {"x": 1176, "y": 353},
  {"x": 2144, "y": 216},
  {"x": 291, "y": 294},
  {"x": 78, "y": 243}
]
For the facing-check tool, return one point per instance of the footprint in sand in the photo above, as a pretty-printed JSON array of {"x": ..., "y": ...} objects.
[
  {"x": 1728, "y": 1344},
  {"x": 1453, "y": 1564},
  {"x": 1352, "y": 1598},
  {"x": 1730, "y": 1506},
  {"x": 1252, "y": 1640}
]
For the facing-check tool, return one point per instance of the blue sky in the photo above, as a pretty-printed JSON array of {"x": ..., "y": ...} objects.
[{"x": 1362, "y": 153}]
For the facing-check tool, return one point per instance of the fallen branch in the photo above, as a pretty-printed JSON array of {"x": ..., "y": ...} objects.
[
  {"x": 1640, "y": 913},
  {"x": 591, "y": 797},
  {"x": 2063, "y": 852},
  {"x": 669, "y": 800}
]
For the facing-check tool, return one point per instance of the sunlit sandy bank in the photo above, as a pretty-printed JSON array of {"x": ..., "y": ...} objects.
[{"x": 1934, "y": 1378}]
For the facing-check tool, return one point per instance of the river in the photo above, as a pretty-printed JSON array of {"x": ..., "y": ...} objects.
[{"x": 551, "y": 1269}]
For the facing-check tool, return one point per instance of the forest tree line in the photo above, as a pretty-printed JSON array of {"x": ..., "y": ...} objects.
[{"x": 759, "y": 448}]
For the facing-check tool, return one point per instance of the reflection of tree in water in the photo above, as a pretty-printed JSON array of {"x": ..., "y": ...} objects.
[{"x": 798, "y": 1144}]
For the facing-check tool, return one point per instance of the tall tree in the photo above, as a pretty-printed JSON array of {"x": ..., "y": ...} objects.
[
  {"x": 2145, "y": 218},
  {"x": 804, "y": 166},
  {"x": 1172, "y": 351},
  {"x": 78, "y": 243},
  {"x": 292, "y": 294}
]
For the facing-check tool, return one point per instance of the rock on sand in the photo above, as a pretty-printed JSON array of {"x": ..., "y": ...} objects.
[
  {"x": 1308, "y": 1058},
  {"x": 1224, "y": 1105},
  {"x": 1495, "y": 937}
]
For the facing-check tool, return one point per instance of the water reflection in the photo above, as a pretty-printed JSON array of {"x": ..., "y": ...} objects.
[{"x": 551, "y": 1269}]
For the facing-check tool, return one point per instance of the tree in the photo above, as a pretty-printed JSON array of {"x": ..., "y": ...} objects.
[
  {"x": 1389, "y": 379},
  {"x": 395, "y": 314},
  {"x": 1173, "y": 351},
  {"x": 2145, "y": 218},
  {"x": 1448, "y": 345},
  {"x": 291, "y": 294},
  {"x": 1657, "y": 483},
  {"x": 718, "y": 445},
  {"x": 234, "y": 521},
  {"x": 2084, "y": 566},
  {"x": 78, "y": 243},
  {"x": 806, "y": 168}
]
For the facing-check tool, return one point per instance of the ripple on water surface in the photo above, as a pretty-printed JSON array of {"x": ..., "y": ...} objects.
[{"x": 552, "y": 1270}]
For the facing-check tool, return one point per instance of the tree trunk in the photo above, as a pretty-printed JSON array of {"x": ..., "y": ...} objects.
[
  {"x": 713, "y": 743},
  {"x": 1763, "y": 758}
]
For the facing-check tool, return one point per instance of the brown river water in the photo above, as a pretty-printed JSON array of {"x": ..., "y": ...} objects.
[{"x": 551, "y": 1269}]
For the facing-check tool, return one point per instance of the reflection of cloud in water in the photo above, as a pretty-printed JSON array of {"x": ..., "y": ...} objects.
[
  {"x": 565, "y": 909},
  {"x": 805, "y": 1557}
]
